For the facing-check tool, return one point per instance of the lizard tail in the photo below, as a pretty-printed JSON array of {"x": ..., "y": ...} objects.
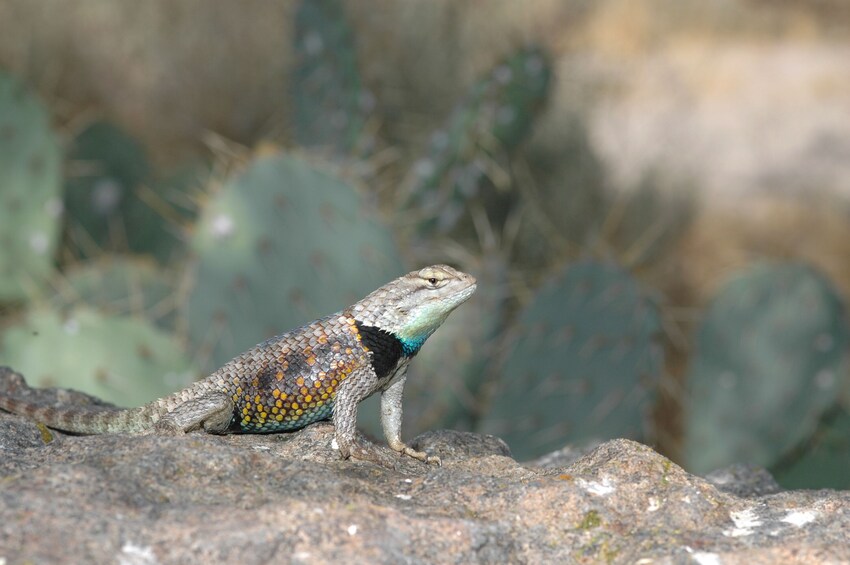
[{"x": 83, "y": 419}]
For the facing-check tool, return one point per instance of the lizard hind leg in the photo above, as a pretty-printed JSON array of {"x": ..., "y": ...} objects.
[
  {"x": 211, "y": 413},
  {"x": 354, "y": 389}
]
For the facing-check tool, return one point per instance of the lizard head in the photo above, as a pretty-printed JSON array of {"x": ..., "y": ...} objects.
[{"x": 412, "y": 307}]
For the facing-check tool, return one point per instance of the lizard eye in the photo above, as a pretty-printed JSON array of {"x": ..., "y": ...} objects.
[{"x": 432, "y": 281}]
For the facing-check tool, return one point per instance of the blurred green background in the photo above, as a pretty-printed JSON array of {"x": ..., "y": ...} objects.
[{"x": 653, "y": 194}]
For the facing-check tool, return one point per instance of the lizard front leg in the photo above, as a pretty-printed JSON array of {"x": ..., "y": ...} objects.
[
  {"x": 211, "y": 413},
  {"x": 391, "y": 412}
]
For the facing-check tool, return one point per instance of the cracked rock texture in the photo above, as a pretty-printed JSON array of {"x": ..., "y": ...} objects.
[{"x": 287, "y": 498}]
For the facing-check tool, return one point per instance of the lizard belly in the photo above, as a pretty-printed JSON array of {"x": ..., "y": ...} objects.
[{"x": 296, "y": 421}]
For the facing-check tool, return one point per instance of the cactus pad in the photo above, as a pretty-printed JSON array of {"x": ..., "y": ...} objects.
[
  {"x": 112, "y": 200},
  {"x": 329, "y": 103},
  {"x": 825, "y": 458},
  {"x": 119, "y": 285},
  {"x": 495, "y": 117},
  {"x": 122, "y": 360},
  {"x": 581, "y": 363},
  {"x": 30, "y": 185},
  {"x": 769, "y": 360},
  {"x": 280, "y": 244}
]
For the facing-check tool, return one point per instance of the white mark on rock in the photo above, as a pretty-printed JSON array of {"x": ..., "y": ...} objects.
[
  {"x": 800, "y": 518},
  {"x": 599, "y": 488},
  {"x": 653, "y": 504},
  {"x": 261, "y": 447},
  {"x": 686, "y": 499},
  {"x": 408, "y": 481},
  {"x": 744, "y": 521},
  {"x": 334, "y": 444},
  {"x": 706, "y": 558},
  {"x": 403, "y": 496},
  {"x": 352, "y": 529},
  {"x": 132, "y": 554}
]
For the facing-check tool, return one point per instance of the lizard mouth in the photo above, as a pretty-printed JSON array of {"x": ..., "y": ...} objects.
[{"x": 463, "y": 294}]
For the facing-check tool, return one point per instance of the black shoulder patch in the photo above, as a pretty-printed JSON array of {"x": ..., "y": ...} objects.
[{"x": 385, "y": 347}]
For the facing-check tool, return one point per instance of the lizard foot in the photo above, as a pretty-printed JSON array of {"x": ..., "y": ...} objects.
[
  {"x": 358, "y": 449},
  {"x": 420, "y": 455},
  {"x": 167, "y": 427}
]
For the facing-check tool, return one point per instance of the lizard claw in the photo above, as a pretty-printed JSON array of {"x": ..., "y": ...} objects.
[
  {"x": 421, "y": 455},
  {"x": 359, "y": 450}
]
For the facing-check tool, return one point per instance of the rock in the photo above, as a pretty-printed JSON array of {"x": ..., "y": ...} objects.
[
  {"x": 744, "y": 480},
  {"x": 289, "y": 498},
  {"x": 451, "y": 444},
  {"x": 567, "y": 455}
]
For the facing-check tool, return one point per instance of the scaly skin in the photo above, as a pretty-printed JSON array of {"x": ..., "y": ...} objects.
[{"x": 318, "y": 371}]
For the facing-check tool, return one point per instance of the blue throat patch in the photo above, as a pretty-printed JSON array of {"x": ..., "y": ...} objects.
[{"x": 411, "y": 347}]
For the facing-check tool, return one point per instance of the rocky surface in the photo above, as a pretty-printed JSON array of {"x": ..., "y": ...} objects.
[{"x": 288, "y": 498}]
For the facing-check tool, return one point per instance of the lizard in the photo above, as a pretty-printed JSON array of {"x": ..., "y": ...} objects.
[{"x": 319, "y": 371}]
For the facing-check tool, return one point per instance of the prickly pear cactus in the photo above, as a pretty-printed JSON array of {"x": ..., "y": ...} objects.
[
  {"x": 279, "y": 245},
  {"x": 120, "y": 285},
  {"x": 581, "y": 363},
  {"x": 330, "y": 105},
  {"x": 769, "y": 358},
  {"x": 122, "y": 360},
  {"x": 491, "y": 122},
  {"x": 30, "y": 185},
  {"x": 112, "y": 201},
  {"x": 825, "y": 459}
]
